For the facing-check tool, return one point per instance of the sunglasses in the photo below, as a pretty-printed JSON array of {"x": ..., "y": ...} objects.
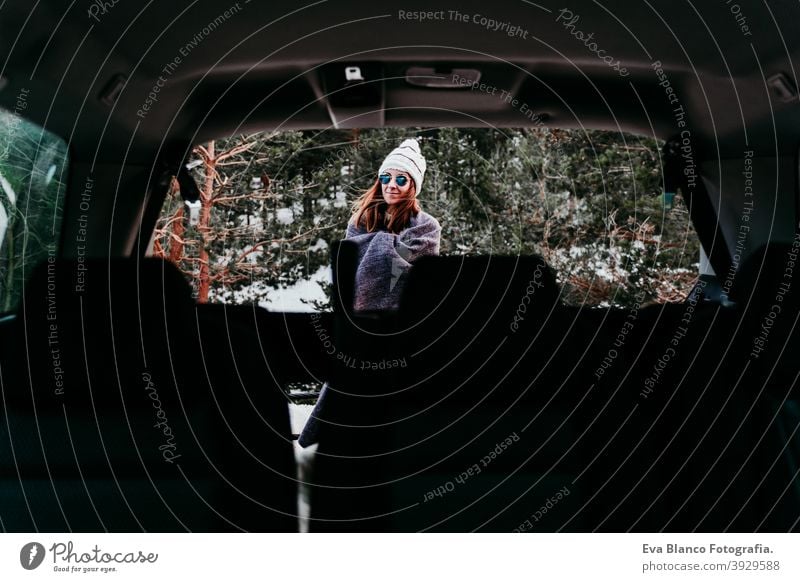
[{"x": 399, "y": 180}]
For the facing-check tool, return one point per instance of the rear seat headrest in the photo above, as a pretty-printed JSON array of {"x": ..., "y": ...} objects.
[
  {"x": 762, "y": 272},
  {"x": 459, "y": 282},
  {"x": 139, "y": 285},
  {"x": 95, "y": 319},
  {"x": 95, "y": 278}
]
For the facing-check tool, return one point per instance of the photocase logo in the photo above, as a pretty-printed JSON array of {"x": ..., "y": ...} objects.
[{"x": 31, "y": 555}]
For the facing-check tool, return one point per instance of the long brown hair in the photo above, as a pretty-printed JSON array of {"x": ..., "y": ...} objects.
[{"x": 370, "y": 210}]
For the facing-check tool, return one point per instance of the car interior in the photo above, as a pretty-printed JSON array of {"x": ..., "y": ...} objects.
[{"x": 129, "y": 406}]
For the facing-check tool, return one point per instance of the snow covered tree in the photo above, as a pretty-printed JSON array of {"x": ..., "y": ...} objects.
[{"x": 32, "y": 162}]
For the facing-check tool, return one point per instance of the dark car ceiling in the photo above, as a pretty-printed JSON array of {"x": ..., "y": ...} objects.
[{"x": 262, "y": 67}]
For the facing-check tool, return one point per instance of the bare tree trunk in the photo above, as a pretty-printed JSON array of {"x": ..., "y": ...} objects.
[
  {"x": 169, "y": 243},
  {"x": 176, "y": 245},
  {"x": 204, "y": 225}
]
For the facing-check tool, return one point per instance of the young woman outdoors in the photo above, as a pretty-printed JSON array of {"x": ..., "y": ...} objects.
[{"x": 391, "y": 232}]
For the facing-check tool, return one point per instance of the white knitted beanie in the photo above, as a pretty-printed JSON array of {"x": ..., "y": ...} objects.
[{"x": 407, "y": 157}]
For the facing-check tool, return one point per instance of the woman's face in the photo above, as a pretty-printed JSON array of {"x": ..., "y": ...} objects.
[{"x": 392, "y": 191}]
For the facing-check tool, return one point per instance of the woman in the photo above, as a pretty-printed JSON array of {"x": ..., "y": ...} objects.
[{"x": 391, "y": 232}]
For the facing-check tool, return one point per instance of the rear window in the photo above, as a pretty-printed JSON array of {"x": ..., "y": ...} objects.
[
  {"x": 33, "y": 165},
  {"x": 591, "y": 203}
]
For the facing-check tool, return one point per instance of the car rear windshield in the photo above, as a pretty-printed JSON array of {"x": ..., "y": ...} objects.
[
  {"x": 590, "y": 202},
  {"x": 33, "y": 165}
]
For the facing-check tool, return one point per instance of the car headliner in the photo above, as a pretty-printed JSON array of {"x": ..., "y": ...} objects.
[{"x": 260, "y": 66}]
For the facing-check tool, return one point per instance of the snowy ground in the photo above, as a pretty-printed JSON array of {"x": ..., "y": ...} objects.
[
  {"x": 288, "y": 298},
  {"x": 298, "y": 415}
]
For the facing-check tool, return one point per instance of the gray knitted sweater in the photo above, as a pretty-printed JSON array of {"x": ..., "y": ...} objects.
[{"x": 384, "y": 259}]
